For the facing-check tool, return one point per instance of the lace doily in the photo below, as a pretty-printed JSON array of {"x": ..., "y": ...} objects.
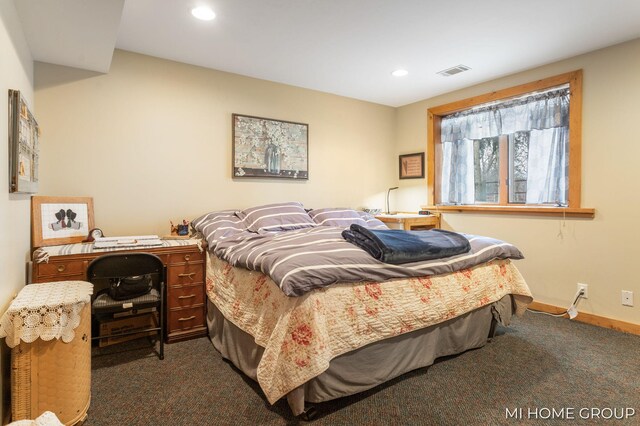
[
  {"x": 45, "y": 419},
  {"x": 46, "y": 311}
]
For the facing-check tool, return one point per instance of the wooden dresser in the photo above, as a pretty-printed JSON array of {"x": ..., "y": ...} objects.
[{"x": 186, "y": 303}]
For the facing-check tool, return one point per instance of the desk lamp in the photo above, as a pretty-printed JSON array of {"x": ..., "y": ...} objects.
[{"x": 390, "y": 189}]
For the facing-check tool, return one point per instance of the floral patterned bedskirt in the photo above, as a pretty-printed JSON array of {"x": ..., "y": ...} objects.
[{"x": 302, "y": 334}]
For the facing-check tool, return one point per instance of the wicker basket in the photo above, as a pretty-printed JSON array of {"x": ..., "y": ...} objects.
[{"x": 53, "y": 376}]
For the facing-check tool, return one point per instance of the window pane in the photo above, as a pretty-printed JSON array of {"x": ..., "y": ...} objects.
[
  {"x": 518, "y": 166},
  {"x": 486, "y": 170}
]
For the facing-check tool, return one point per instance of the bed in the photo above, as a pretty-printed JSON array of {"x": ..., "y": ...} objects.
[{"x": 312, "y": 317}]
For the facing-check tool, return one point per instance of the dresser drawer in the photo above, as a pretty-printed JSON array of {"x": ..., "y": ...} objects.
[
  {"x": 188, "y": 273},
  {"x": 61, "y": 269},
  {"x": 186, "y": 318},
  {"x": 194, "y": 256},
  {"x": 187, "y": 296}
]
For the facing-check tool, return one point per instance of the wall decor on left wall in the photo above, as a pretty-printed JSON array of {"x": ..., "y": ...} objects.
[
  {"x": 23, "y": 146},
  {"x": 60, "y": 220}
]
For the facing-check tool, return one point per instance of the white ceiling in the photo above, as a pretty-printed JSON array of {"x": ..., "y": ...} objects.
[
  {"x": 345, "y": 47},
  {"x": 76, "y": 33}
]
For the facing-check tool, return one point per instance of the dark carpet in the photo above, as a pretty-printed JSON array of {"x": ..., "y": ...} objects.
[{"x": 540, "y": 370}]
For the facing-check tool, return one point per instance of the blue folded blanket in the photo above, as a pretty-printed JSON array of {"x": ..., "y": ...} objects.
[{"x": 397, "y": 247}]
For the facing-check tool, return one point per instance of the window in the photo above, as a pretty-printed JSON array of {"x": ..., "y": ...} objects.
[{"x": 513, "y": 150}]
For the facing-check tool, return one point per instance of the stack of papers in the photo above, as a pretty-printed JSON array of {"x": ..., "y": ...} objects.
[{"x": 121, "y": 242}]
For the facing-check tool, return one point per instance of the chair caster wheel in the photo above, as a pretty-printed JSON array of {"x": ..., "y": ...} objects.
[{"x": 309, "y": 414}]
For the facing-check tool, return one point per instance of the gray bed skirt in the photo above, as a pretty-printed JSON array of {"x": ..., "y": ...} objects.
[{"x": 371, "y": 365}]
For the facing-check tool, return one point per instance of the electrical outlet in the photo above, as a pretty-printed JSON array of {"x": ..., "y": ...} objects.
[
  {"x": 584, "y": 287},
  {"x": 627, "y": 298}
]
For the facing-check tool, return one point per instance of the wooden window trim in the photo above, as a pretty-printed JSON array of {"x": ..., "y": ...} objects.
[
  {"x": 435, "y": 114},
  {"x": 586, "y": 213}
]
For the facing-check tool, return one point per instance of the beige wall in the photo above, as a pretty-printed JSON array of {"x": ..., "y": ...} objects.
[
  {"x": 151, "y": 142},
  {"x": 16, "y": 72},
  {"x": 602, "y": 252}
]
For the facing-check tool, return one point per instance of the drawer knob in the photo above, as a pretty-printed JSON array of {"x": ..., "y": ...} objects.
[
  {"x": 190, "y": 275},
  {"x": 61, "y": 268},
  {"x": 187, "y": 297},
  {"x": 187, "y": 257},
  {"x": 187, "y": 318}
]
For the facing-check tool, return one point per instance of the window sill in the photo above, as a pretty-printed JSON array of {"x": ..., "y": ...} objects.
[{"x": 584, "y": 213}]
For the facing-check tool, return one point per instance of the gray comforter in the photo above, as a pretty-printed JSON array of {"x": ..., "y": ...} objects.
[{"x": 299, "y": 261}]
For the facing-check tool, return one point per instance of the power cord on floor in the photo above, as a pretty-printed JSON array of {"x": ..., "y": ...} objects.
[
  {"x": 571, "y": 310},
  {"x": 533, "y": 311}
]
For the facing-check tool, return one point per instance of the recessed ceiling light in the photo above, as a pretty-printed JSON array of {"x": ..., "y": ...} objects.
[
  {"x": 400, "y": 73},
  {"x": 203, "y": 12}
]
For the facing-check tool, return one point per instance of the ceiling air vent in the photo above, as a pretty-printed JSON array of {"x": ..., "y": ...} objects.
[{"x": 453, "y": 70}]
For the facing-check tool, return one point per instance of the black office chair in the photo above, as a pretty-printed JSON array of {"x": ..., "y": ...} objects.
[{"x": 130, "y": 270}]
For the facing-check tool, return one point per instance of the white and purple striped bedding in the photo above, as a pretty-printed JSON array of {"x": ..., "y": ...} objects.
[
  {"x": 336, "y": 217},
  {"x": 305, "y": 259},
  {"x": 372, "y": 222},
  {"x": 300, "y": 260},
  {"x": 215, "y": 226},
  {"x": 276, "y": 217}
]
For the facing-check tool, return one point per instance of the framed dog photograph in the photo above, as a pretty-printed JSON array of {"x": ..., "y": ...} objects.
[{"x": 60, "y": 220}]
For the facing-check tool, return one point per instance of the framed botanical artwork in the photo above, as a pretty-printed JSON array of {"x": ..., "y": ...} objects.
[
  {"x": 268, "y": 148},
  {"x": 60, "y": 220},
  {"x": 412, "y": 166},
  {"x": 23, "y": 146}
]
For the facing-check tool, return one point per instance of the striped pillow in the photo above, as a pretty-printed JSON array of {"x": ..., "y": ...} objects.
[
  {"x": 336, "y": 217},
  {"x": 276, "y": 217},
  {"x": 215, "y": 226},
  {"x": 372, "y": 222}
]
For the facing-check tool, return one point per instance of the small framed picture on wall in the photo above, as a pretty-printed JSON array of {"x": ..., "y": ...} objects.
[
  {"x": 60, "y": 220},
  {"x": 412, "y": 166}
]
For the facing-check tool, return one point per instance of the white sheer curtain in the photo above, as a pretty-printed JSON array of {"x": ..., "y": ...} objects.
[
  {"x": 545, "y": 116},
  {"x": 546, "y": 178},
  {"x": 458, "y": 168}
]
